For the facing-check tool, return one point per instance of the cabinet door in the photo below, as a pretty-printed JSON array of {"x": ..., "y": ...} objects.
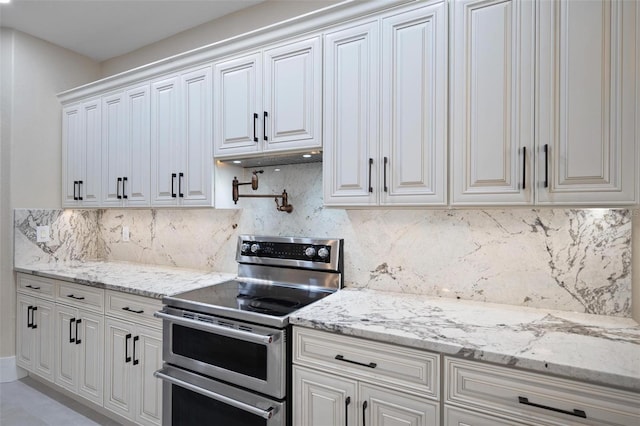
[
  {"x": 71, "y": 154},
  {"x": 136, "y": 175},
  {"x": 492, "y": 94},
  {"x": 351, "y": 111},
  {"x": 237, "y": 110},
  {"x": 148, "y": 353},
  {"x": 586, "y": 112},
  {"x": 44, "y": 326},
  {"x": 165, "y": 133},
  {"x": 414, "y": 107},
  {"x": 91, "y": 154},
  {"x": 323, "y": 400},
  {"x": 118, "y": 375},
  {"x": 66, "y": 371},
  {"x": 292, "y": 96},
  {"x": 195, "y": 148},
  {"x": 113, "y": 149},
  {"x": 25, "y": 337},
  {"x": 90, "y": 347},
  {"x": 384, "y": 407}
]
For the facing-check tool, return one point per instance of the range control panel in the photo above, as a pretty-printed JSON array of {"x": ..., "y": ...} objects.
[{"x": 290, "y": 251}]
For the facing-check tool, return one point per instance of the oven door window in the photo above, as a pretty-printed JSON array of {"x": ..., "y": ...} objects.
[
  {"x": 189, "y": 408},
  {"x": 243, "y": 357}
]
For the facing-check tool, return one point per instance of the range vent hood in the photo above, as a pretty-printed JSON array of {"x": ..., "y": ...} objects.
[{"x": 276, "y": 160}]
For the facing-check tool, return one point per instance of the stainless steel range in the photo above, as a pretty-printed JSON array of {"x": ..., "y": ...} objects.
[{"x": 226, "y": 347}]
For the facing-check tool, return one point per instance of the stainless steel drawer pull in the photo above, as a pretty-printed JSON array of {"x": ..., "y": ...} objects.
[
  {"x": 128, "y": 309},
  {"x": 575, "y": 412},
  {"x": 342, "y": 358},
  {"x": 265, "y": 414},
  {"x": 247, "y": 336},
  {"x": 75, "y": 297}
]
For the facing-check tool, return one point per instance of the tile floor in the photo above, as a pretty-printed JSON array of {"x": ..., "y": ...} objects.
[{"x": 27, "y": 402}]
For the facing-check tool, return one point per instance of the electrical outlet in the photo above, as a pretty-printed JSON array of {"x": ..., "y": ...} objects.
[
  {"x": 125, "y": 233},
  {"x": 42, "y": 234}
]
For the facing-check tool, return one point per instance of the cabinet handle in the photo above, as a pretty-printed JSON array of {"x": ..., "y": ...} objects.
[
  {"x": 71, "y": 339},
  {"x": 135, "y": 361},
  {"x": 342, "y": 358},
  {"x": 524, "y": 167},
  {"x": 575, "y": 412},
  {"x": 32, "y": 287},
  {"x": 128, "y": 309},
  {"x": 255, "y": 120},
  {"x": 80, "y": 190},
  {"x": 173, "y": 181},
  {"x": 370, "y": 166},
  {"x": 75, "y": 297},
  {"x": 364, "y": 412},
  {"x": 124, "y": 191},
  {"x": 29, "y": 320},
  {"x": 118, "y": 196},
  {"x": 180, "y": 178},
  {"x": 546, "y": 165},
  {"x": 127, "y": 358},
  {"x": 33, "y": 317},
  {"x": 386, "y": 161},
  {"x": 75, "y": 197},
  {"x": 78, "y": 341},
  {"x": 346, "y": 408},
  {"x": 264, "y": 126}
]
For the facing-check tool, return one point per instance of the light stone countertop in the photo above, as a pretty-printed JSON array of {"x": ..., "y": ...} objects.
[
  {"x": 143, "y": 280},
  {"x": 594, "y": 348}
]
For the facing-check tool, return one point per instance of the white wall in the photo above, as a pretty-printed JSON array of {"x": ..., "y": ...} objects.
[
  {"x": 259, "y": 16},
  {"x": 33, "y": 72}
]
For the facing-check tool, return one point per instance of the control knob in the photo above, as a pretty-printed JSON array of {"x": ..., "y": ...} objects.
[
  {"x": 245, "y": 247},
  {"x": 323, "y": 252},
  {"x": 255, "y": 248},
  {"x": 310, "y": 252}
]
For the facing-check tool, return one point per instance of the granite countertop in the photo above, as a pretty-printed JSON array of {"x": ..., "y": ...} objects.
[
  {"x": 144, "y": 280},
  {"x": 594, "y": 348}
]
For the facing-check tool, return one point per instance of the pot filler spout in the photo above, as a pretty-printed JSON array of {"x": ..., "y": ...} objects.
[{"x": 284, "y": 207}]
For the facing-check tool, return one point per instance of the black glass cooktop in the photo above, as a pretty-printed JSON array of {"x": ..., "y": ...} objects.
[{"x": 267, "y": 299}]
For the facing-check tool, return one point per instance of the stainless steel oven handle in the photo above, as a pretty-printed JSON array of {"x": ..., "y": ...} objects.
[
  {"x": 265, "y": 414},
  {"x": 223, "y": 331}
]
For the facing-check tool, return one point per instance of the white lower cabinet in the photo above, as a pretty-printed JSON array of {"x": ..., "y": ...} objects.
[
  {"x": 34, "y": 335},
  {"x": 339, "y": 380},
  {"x": 133, "y": 354},
  {"x": 79, "y": 352},
  {"x": 487, "y": 394}
]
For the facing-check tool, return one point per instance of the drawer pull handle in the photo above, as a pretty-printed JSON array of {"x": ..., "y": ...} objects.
[
  {"x": 75, "y": 297},
  {"x": 128, "y": 309},
  {"x": 342, "y": 358},
  {"x": 32, "y": 287},
  {"x": 575, "y": 412}
]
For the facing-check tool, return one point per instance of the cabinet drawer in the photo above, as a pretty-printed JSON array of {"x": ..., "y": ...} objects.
[
  {"x": 403, "y": 368},
  {"x": 81, "y": 296},
  {"x": 532, "y": 396},
  {"x": 130, "y": 307},
  {"x": 36, "y": 286},
  {"x": 459, "y": 417}
]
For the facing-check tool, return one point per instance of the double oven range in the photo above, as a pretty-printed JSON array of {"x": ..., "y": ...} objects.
[{"x": 227, "y": 348}]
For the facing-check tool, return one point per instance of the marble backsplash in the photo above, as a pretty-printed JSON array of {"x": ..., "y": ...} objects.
[{"x": 574, "y": 260}]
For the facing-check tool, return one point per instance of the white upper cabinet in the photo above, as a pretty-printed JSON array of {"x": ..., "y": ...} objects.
[
  {"x": 587, "y": 100},
  {"x": 492, "y": 64},
  {"x": 81, "y": 154},
  {"x": 385, "y": 116},
  {"x": 125, "y": 148},
  {"x": 181, "y": 157},
  {"x": 269, "y": 101}
]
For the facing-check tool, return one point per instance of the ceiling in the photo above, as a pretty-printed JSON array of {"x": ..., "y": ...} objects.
[{"x": 104, "y": 29}]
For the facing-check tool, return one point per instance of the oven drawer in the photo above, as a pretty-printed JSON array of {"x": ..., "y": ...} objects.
[
  {"x": 36, "y": 286},
  {"x": 536, "y": 397},
  {"x": 408, "y": 369},
  {"x": 130, "y": 307},
  {"x": 81, "y": 296}
]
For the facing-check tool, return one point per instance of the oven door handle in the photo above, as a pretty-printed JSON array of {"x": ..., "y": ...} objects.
[
  {"x": 218, "y": 329},
  {"x": 265, "y": 414}
]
